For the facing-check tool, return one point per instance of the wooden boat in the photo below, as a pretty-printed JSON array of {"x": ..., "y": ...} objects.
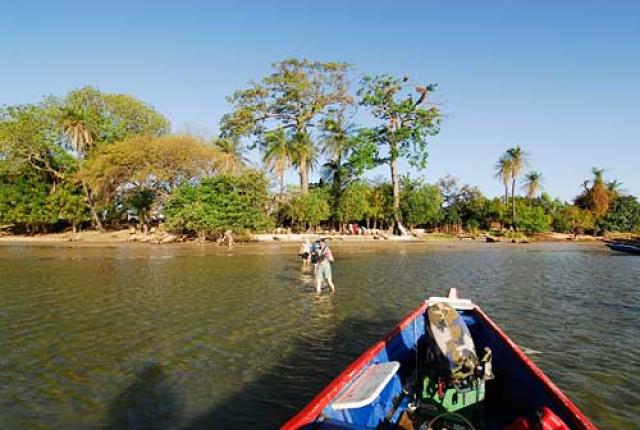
[
  {"x": 425, "y": 374},
  {"x": 623, "y": 247}
]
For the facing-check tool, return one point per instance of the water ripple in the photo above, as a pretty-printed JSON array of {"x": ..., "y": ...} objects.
[{"x": 198, "y": 337}]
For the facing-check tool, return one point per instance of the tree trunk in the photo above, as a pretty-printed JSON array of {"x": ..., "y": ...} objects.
[
  {"x": 396, "y": 190},
  {"x": 282, "y": 186},
  {"x": 304, "y": 178},
  {"x": 514, "y": 218},
  {"x": 506, "y": 194},
  {"x": 92, "y": 208}
]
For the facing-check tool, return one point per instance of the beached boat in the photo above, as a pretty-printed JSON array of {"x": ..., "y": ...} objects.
[
  {"x": 426, "y": 374},
  {"x": 623, "y": 247}
]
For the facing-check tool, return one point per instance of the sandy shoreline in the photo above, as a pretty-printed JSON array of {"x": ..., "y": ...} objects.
[{"x": 121, "y": 237}]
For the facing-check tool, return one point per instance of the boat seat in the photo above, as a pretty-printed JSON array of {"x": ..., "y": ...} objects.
[
  {"x": 367, "y": 386},
  {"x": 452, "y": 338}
]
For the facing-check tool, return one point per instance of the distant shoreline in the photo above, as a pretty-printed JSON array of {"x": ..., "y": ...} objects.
[{"x": 110, "y": 238}]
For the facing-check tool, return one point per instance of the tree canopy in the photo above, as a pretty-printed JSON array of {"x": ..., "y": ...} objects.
[
  {"x": 292, "y": 98},
  {"x": 405, "y": 121}
]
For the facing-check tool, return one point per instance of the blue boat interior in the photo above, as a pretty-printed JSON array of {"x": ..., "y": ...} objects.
[{"x": 514, "y": 392}]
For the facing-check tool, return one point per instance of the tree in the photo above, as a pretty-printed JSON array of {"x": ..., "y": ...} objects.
[
  {"x": 533, "y": 183},
  {"x": 90, "y": 118},
  {"x": 406, "y": 121},
  {"x": 81, "y": 138},
  {"x": 576, "y": 221},
  {"x": 533, "y": 219},
  {"x": 354, "y": 203},
  {"x": 503, "y": 172},
  {"x": 30, "y": 142},
  {"x": 111, "y": 117},
  {"x": 494, "y": 211},
  {"x": 278, "y": 155},
  {"x": 624, "y": 215},
  {"x": 74, "y": 126},
  {"x": 615, "y": 187},
  {"x": 471, "y": 206},
  {"x": 304, "y": 156},
  {"x": 25, "y": 200},
  {"x": 71, "y": 205},
  {"x": 292, "y": 98},
  {"x": 598, "y": 197},
  {"x": 232, "y": 159},
  {"x": 143, "y": 167},
  {"x": 518, "y": 160},
  {"x": 309, "y": 210},
  {"x": 420, "y": 203},
  {"x": 341, "y": 168},
  {"x": 220, "y": 203},
  {"x": 380, "y": 204}
]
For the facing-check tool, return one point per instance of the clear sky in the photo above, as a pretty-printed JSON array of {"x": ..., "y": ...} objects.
[{"x": 559, "y": 78}]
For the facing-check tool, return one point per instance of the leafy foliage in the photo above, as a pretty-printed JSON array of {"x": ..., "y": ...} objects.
[
  {"x": 354, "y": 203},
  {"x": 419, "y": 202},
  {"x": 70, "y": 202},
  {"x": 220, "y": 203},
  {"x": 309, "y": 210},
  {"x": 145, "y": 164},
  {"x": 30, "y": 141},
  {"x": 624, "y": 215},
  {"x": 110, "y": 118},
  {"x": 292, "y": 98},
  {"x": 575, "y": 220},
  {"x": 533, "y": 219},
  {"x": 597, "y": 197},
  {"x": 405, "y": 122},
  {"x": 380, "y": 204},
  {"x": 25, "y": 201}
]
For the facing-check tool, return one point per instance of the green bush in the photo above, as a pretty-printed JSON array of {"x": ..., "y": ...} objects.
[
  {"x": 309, "y": 210},
  {"x": 26, "y": 202},
  {"x": 419, "y": 202},
  {"x": 218, "y": 204},
  {"x": 624, "y": 215},
  {"x": 574, "y": 220},
  {"x": 533, "y": 219},
  {"x": 354, "y": 204}
]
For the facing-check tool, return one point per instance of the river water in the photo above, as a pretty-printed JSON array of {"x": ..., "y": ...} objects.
[{"x": 195, "y": 337}]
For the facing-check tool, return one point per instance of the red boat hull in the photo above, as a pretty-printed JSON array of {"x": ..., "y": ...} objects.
[{"x": 574, "y": 418}]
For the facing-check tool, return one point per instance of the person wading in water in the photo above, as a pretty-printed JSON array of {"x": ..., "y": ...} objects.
[
  {"x": 324, "y": 258},
  {"x": 305, "y": 253}
]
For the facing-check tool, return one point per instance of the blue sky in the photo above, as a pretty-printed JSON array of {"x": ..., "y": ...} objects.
[{"x": 559, "y": 78}]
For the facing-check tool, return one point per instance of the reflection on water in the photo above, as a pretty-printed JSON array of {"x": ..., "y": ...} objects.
[{"x": 194, "y": 337}]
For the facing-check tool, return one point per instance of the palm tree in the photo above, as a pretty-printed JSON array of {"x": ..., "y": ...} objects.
[
  {"x": 503, "y": 172},
  {"x": 533, "y": 183},
  {"x": 231, "y": 154},
  {"x": 615, "y": 188},
  {"x": 598, "y": 175},
  {"x": 337, "y": 131},
  {"x": 599, "y": 196},
  {"x": 81, "y": 138},
  {"x": 304, "y": 157},
  {"x": 75, "y": 127},
  {"x": 278, "y": 155},
  {"x": 518, "y": 160}
]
